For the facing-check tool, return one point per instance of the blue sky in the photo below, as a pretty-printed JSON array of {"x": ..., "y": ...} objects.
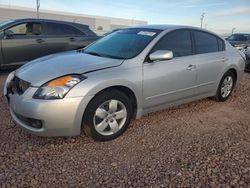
[{"x": 221, "y": 16}]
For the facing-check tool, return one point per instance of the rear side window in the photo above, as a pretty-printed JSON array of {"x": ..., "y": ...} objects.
[
  {"x": 205, "y": 42},
  {"x": 59, "y": 29},
  {"x": 179, "y": 42},
  {"x": 77, "y": 32},
  {"x": 221, "y": 45}
]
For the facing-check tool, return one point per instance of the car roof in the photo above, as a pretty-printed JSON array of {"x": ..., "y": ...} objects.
[
  {"x": 45, "y": 20},
  {"x": 241, "y": 34},
  {"x": 167, "y": 27},
  {"x": 172, "y": 27},
  {"x": 80, "y": 26}
]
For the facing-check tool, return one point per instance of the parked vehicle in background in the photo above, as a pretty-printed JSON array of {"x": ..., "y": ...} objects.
[
  {"x": 239, "y": 40},
  {"x": 248, "y": 59},
  {"x": 22, "y": 40},
  {"x": 124, "y": 75}
]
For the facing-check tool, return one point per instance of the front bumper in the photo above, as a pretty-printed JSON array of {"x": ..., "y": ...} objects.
[{"x": 61, "y": 117}]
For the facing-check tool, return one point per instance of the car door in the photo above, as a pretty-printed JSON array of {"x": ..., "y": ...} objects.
[
  {"x": 23, "y": 42},
  {"x": 210, "y": 61},
  {"x": 169, "y": 81},
  {"x": 59, "y": 37}
]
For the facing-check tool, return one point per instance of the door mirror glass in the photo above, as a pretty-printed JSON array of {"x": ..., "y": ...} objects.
[{"x": 160, "y": 55}]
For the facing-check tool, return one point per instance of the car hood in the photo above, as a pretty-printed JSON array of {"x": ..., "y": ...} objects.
[{"x": 44, "y": 69}]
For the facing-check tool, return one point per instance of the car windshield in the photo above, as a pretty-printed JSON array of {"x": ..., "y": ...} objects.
[
  {"x": 123, "y": 44},
  {"x": 4, "y": 23},
  {"x": 239, "y": 37}
]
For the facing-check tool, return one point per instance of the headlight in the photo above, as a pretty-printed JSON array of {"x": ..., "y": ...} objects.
[{"x": 58, "y": 88}]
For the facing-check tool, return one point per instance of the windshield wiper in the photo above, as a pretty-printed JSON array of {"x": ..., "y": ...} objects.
[
  {"x": 93, "y": 53},
  {"x": 102, "y": 55}
]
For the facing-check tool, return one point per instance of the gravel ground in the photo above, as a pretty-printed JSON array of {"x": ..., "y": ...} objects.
[{"x": 201, "y": 144}]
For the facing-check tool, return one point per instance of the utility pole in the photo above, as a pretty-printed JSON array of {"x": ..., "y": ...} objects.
[
  {"x": 133, "y": 21},
  {"x": 202, "y": 18},
  {"x": 233, "y": 30},
  {"x": 37, "y": 8}
]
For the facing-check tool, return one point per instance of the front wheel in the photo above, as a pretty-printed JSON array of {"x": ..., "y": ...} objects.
[
  {"x": 226, "y": 86},
  {"x": 108, "y": 115}
]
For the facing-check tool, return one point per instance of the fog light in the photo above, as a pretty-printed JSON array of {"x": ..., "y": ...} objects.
[{"x": 35, "y": 123}]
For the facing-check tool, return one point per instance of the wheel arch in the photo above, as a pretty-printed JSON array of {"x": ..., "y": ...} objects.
[
  {"x": 126, "y": 90},
  {"x": 234, "y": 71}
]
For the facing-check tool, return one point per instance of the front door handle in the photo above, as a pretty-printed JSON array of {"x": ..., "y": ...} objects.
[
  {"x": 191, "y": 67},
  {"x": 40, "y": 40}
]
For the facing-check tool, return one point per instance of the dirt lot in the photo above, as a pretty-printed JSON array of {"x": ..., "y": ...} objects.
[{"x": 199, "y": 144}]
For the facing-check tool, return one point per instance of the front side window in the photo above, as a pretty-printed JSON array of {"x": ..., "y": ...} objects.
[
  {"x": 123, "y": 44},
  {"x": 3, "y": 23},
  {"x": 205, "y": 42},
  {"x": 26, "y": 29},
  {"x": 179, "y": 42}
]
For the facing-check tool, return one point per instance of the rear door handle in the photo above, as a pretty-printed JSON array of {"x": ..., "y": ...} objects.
[
  {"x": 191, "y": 67},
  {"x": 40, "y": 40}
]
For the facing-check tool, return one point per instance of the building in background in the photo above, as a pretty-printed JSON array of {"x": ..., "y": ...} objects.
[{"x": 98, "y": 24}]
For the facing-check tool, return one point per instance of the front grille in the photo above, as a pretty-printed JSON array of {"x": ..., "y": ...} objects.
[{"x": 18, "y": 85}]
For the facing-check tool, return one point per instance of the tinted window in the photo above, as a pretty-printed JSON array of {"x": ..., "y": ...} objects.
[
  {"x": 26, "y": 29},
  {"x": 5, "y": 23},
  {"x": 179, "y": 42},
  {"x": 123, "y": 44},
  {"x": 59, "y": 29},
  {"x": 220, "y": 44},
  {"x": 205, "y": 42},
  {"x": 77, "y": 32}
]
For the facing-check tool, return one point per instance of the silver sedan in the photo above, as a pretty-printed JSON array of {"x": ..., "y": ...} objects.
[{"x": 124, "y": 75}]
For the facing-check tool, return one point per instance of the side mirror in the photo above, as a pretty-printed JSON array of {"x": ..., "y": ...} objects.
[
  {"x": 226, "y": 38},
  {"x": 160, "y": 55}
]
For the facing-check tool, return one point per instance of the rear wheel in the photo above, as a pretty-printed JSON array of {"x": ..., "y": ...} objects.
[
  {"x": 108, "y": 115},
  {"x": 226, "y": 86}
]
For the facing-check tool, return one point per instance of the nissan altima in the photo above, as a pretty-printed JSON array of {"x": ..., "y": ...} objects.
[{"x": 124, "y": 75}]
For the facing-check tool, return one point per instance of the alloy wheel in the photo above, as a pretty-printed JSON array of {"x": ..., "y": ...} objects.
[
  {"x": 110, "y": 117},
  {"x": 227, "y": 86}
]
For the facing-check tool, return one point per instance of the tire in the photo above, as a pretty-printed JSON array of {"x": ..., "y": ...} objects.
[
  {"x": 101, "y": 119},
  {"x": 223, "y": 96}
]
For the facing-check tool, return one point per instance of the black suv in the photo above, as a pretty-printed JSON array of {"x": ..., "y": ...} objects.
[{"x": 22, "y": 40}]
